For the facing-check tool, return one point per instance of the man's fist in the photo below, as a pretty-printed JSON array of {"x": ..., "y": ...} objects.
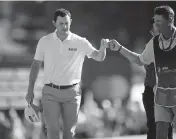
[
  {"x": 114, "y": 45},
  {"x": 105, "y": 43}
]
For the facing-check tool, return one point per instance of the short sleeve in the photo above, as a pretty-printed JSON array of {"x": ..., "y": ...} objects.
[
  {"x": 87, "y": 47},
  {"x": 147, "y": 55},
  {"x": 39, "y": 54}
]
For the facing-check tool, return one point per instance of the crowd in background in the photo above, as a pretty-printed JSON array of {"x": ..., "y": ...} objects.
[{"x": 108, "y": 119}]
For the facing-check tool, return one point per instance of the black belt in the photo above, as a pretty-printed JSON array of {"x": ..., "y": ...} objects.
[{"x": 60, "y": 87}]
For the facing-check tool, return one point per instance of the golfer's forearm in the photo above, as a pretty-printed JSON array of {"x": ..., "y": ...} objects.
[
  {"x": 35, "y": 67},
  {"x": 101, "y": 54},
  {"x": 131, "y": 56}
]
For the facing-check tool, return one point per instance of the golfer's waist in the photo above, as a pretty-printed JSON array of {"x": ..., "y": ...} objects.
[{"x": 61, "y": 86}]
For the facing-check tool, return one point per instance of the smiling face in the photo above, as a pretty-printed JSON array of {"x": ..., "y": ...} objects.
[
  {"x": 161, "y": 23},
  {"x": 164, "y": 18}
]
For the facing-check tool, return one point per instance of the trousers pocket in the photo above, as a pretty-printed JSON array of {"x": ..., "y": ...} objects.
[
  {"x": 161, "y": 98},
  {"x": 77, "y": 89},
  {"x": 172, "y": 98}
]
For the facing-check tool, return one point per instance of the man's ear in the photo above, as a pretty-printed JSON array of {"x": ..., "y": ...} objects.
[
  {"x": 54, "y": 23},
  {"x": 171, "y": 20}
]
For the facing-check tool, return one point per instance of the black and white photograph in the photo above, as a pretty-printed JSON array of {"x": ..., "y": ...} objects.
[{"x": 87, "y": 69}]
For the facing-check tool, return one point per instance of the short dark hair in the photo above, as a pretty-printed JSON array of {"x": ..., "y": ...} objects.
[
  {"x": 166, "y": 11},
  {"x": 62, "y": 13}
]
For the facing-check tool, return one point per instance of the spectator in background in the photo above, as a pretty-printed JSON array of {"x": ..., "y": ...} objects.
[
  {"x": 18, "y": 129},
  {"x": 5, "y": 127}
]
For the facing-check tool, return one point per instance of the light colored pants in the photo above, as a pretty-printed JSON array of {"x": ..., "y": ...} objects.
[
  {"x": 65, "y": 102},
  {"x": 165, "y": 114}
]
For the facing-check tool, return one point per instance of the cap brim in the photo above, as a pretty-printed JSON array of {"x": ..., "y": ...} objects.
[{"x": 31, "y": 115}]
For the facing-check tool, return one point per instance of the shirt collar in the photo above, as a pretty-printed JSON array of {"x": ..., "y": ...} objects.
[
  {"x": 162, "y": 38},
  {"x": 56, "y": 38}
]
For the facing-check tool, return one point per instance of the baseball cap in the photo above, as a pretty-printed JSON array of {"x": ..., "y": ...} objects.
[{"x": 31, "y": 113}]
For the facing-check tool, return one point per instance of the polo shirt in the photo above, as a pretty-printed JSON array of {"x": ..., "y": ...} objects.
[{"x": 63, "y": 60}]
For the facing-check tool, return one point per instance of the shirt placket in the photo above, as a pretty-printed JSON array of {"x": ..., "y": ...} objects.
[
  {"x": 167, "y": 43},
  {"x": 61, "y": 49}
]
